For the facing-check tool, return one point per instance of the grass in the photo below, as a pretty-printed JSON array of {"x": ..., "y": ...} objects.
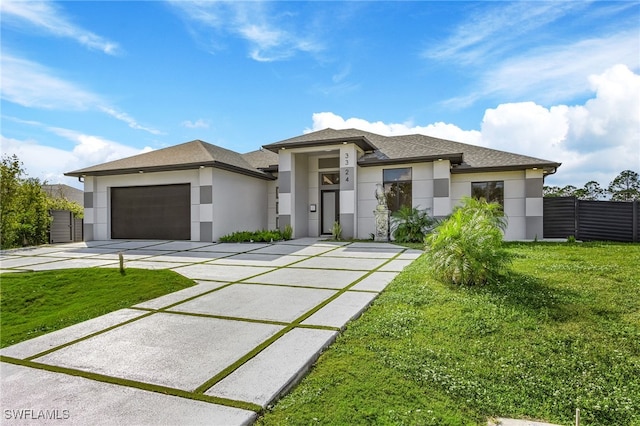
[
  {"x": 561, "y": 332},
  {"x": 35, "y": 303}
]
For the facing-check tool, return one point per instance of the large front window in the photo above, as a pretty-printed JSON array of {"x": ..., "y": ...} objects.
[
  {"x": 397, "y": 188},
  {"x": 492, "y": 191}
]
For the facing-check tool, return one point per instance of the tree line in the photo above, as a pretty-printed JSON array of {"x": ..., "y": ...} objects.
[
  {"x": 625, "y": 187},
  {"x": 24, "y": 206}
]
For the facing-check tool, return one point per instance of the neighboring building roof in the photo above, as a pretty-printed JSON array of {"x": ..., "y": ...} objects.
[
  {"x": 381, "y": 150},
  {"x": 189, "y": 155},
  {"x": 61, "y": 190}
]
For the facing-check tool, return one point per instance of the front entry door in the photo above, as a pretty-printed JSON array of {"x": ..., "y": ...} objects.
[{"x": 330, "y": 209}]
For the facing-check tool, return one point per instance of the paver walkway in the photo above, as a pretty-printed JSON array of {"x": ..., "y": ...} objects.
[{"x": 214, "y": 353}]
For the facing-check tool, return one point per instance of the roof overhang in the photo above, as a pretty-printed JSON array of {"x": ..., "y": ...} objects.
[
  {"x": 361, "y": 141},
  {"x": 171, "y": 168},
  {"x": 547, "y": 168},
  {"x": 453, "y": 158}
]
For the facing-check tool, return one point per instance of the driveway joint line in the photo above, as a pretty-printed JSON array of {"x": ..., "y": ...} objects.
[{"x": 150, "y": 387}]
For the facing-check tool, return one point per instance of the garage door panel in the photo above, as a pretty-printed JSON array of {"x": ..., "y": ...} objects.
[{"x": 151, "y": 212}]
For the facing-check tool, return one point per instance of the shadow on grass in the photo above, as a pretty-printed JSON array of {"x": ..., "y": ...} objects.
[{"x": 533, "y": 295}]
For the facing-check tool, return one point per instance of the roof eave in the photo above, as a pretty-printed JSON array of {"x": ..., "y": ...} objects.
[
  {"x": 361, "y": 141},
  {"x": 455, "y": 158},
  {"x": 170, "y": 168},
  {"x": 548, "y": 168}
]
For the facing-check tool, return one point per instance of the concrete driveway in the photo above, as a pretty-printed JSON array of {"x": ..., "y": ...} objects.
[{"x": 215, "y": 353}]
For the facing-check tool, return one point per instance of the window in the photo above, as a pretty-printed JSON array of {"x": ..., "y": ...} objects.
[
  {"x": 330, "y": 178},
  {"x": 397, "y": 187},
  {"x": 492, "y": 191}
]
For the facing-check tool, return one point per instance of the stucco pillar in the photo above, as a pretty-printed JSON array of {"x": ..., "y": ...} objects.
[
  {"x": 533, "y": 203},
  {"x": 348, "y": 198},
  {"x": 441, "y": 188},
  {"x": 89, "y": 210},
  {"x": 285, "y": 185}
]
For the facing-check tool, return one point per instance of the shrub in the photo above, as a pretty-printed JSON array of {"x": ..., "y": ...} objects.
[
  {"x": 265, "y": 236},
  {"x": 410, "y": 225},
  {"x": 287, "y": 233},
  {"x": 467, "y": 247},
  {"x": 336, "y": 231}
]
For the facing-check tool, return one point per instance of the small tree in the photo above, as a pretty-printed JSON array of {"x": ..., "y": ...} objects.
[
  {"x": 24, "y": 207},
  {"x": 10, "y": 173},
  {"x": 467, "y": 248},
  {"x": 625, "y": 187}
]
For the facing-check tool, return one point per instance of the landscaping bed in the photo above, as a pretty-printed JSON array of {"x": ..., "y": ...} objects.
[{"x": 561, "y": 332}]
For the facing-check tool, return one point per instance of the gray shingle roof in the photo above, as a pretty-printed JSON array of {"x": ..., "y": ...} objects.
[
  {"x": 189, "y": 155},
  {"x": 416, "y": 148},
  {"x": 262, "y": 159}
]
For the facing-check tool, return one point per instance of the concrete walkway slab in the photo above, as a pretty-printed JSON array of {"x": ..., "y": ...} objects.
[
  {"x": 293, "y": 276},
  {"x": 396, "y": 265},
  {"x": 75, "y": 400},
  {"x": 254, "y": 301},
  {"x": 257, "y": 259},
  {"x": 181, "y": 295},
  {"x": 149, "y": 264},
  {"x": 341, "y": 310},
  {"x": 377, "y": 281},
  {"x": 25, "y": 261},
  {"x": 187, "y": 257},
  {"x": 181, "y": 245},
  {"x": 233, "y": 247},
  {"x": 294, "y": 249},
  {"x": 70, "y": 263},
  {"x": 136, "y": 244},
  {"x": 213, "y": 272},
  {"x": 354, "y": 264},
  {"x": 178, "y": 351},
  {"x": 266, "y": 376},
  {"x": 370, "y": 253}
]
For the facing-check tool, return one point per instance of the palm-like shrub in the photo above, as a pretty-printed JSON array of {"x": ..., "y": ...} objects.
[
  {"x": 410, "y": 225},
  {"x": 467, "y": 248}
]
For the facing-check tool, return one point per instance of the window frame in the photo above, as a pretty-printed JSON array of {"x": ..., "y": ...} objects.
[
  {"x": 489, "y": 193},
  {"x": 404, "y": 194}
]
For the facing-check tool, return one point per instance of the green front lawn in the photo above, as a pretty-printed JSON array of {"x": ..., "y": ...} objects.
[
  {"x": 562, "y": 332},
  {"x": 36, "y": 303}
]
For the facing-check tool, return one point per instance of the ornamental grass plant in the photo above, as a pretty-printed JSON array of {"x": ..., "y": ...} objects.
[{"x": 467, "y": 249}]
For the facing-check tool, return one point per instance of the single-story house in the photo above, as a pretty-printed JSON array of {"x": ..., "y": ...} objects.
[{"x": 199, "y": 192}]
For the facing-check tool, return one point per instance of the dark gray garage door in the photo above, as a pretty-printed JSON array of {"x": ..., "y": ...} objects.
[{"x": 160, "y": 212}]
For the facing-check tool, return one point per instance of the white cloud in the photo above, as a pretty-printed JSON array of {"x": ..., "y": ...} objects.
[
  {"x": 30, "y": 84},
  {"x": 47, "y": 16},
  {"x": 200, "y": 123},
  {"x": 266, "y": 35},
  {"x": 594, "y": 141},
  {"x": 323, "y": 120},
  {"x": 49, "y": 163}
]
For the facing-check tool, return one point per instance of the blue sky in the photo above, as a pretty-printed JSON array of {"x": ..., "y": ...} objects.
[{"x": 87, "y": 82}]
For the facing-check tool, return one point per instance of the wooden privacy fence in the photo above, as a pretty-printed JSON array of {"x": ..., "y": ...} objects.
[
  {"x": 65, "y": 228},
  {"x": 591, "y": 220}
]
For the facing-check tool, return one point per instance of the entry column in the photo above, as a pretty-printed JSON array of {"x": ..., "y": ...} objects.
[{"x": 348, "y": 179}]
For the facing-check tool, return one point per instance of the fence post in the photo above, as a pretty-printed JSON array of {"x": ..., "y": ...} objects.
[
  {"x": 635, "y": 222},
  {"x": 576, "y": 215}
]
